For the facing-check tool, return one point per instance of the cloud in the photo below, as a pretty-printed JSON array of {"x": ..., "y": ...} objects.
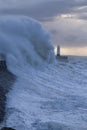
[
  {"x": 81, "y": 12},
  {"x": 68, "y": 32},
  {"x": 41, "y": 9},
  {"x": 82, "y": 16}
]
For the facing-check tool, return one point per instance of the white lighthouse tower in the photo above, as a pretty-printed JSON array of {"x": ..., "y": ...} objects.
[
  {"x": 58, "y": 50},
  {"x": 60, "y": 57}
]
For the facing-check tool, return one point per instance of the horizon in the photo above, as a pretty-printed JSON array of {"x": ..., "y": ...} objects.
[{"x": 72, "y": 51}]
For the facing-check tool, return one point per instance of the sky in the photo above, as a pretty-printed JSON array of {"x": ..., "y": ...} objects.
[{"x": 65, "y": 19}]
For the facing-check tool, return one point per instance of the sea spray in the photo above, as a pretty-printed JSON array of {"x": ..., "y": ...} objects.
[{"x": 24, "y": 41}]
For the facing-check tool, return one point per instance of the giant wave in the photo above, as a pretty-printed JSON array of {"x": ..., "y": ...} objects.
[{"x": 24, "y": 41}]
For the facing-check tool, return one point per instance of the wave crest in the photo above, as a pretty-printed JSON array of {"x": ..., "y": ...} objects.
[{"x": 24, "y": 41}]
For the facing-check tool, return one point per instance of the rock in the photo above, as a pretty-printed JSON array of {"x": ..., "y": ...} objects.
[
  {"x": 7, "y": 128},
  {"x": 6, "y": 81},
  {"x": 2, "y": 104}
]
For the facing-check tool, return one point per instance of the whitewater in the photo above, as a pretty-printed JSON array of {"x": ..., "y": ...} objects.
[{"x": 48, "y": 94}]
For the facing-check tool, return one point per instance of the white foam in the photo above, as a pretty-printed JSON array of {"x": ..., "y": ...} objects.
[{"x": 24, "y": 41}]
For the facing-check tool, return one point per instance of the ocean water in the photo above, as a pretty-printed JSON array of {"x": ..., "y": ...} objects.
[{"x": 48, "y": 94}]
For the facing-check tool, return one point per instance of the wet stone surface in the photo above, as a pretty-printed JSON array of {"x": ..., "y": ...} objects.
[{"x": 6, "y": 81}]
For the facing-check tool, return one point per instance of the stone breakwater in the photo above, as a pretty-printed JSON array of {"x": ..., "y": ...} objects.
[{"x": 6, "y": 81}]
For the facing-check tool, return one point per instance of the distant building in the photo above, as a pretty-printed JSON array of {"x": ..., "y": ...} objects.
[
  {"x": 2, "y": 62},
  {"x": 60, "y": 57}
]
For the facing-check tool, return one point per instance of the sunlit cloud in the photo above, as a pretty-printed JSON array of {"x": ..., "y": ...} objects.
[{"x": 66, "y": 16}]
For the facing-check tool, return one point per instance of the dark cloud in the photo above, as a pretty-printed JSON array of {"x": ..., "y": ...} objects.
[{"x": 44, "y": 10}]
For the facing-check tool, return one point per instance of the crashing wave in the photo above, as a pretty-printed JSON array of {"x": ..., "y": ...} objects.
[{"x": 24, "y": 41}]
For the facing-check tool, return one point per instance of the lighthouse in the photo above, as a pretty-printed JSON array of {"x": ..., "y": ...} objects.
[
  {"x": 60, "y": 57},
  {"x": 58, "y": 50}
]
